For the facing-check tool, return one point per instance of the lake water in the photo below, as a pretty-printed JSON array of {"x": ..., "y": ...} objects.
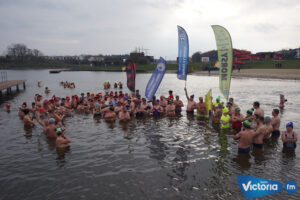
[{"x": 167, "y": 158}]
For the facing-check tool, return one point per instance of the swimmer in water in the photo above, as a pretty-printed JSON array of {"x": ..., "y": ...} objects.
[
  {"x": 7, "y": 108},
  {"x": 225, "y": 119},
  {"x": 124, "y": 114},
  {"x": 269, "y": 127},
  {"x": 47, "y": 91},
  {"x": 289, "y": 137},
  {"x": 260, "y": 133},
  {"x": 282, "y": 101},
  {"x": 178, "y": 105},
  {"x": 245, "y": 137},
  {"x": 61, "y": 140},
  {"x": 191, "y": 105},
  {"x": 217, "y": 114},
  {"x": 201, "y": 109},
  {"x": 27, "y": 120},
  {"x": 170, "y": 109},
  {"x": 237, "y": 119},
  {"x": 258, "y": 111},
  {"x": 110, "y": 115},
  {"x": 275, "y": 123}
]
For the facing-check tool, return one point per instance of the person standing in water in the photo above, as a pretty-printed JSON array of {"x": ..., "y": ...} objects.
[
  {"x": 178, "y": 104},
  {"x": 170, "y": 109},
  {"x": 225, "y": 119},
  {"x": 201, "y": 109},
  {"x": 245, "y": 137},
  {"x": 258, "y": 111},
  {"x": 61, "y": 140},
  {"x": 282, "y": 101},
  {"x": 269, "y": 127},
  {"x": 261, "y": 132},
  {"x": 289, "y": 137},
  {"x": 191, "y": 105},
  {"x": 275, "y": 123}
]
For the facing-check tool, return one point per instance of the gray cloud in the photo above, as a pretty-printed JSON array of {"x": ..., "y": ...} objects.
[{"x": 117, "y": 26}]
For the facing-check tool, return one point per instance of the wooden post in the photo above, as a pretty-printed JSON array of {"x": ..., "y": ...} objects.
[
  {"x": 18, "y": 87},
  {"x": 24, "y": 87}
]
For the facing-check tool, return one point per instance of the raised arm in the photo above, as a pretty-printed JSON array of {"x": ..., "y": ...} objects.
[{"x": 186, "y": 94}]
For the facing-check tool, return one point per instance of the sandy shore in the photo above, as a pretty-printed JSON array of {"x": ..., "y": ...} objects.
[{"x": 293, "y": 74}]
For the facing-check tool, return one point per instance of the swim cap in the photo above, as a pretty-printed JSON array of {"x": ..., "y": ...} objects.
[
  {"x": 192, "y": 96},
  {"x": 92, "y": 93},
  {"x": 290, "y": 124},
  {"x": 219, "y": 98},
  {"x": 225, "y": 110},
  {"x": 157, "y": 100},
  {"x": 99, "y": 92},
  {"x": 42, "y": 110},
  {"x": 7, "y": 105},
  {"x": 247, "y": 123},
  {"x": 143, "y": 99},
  {"x": 237, "y": 109},
  {"x": 127, "y": 106},
  {"x": 58, "y": 131},
  {"x": 67, "y": 97},
  {"x": 250, "y": 111},
  {"x": 268, "y": 119},
  {"x": 24, "y": 104},
  {"x": 177, "y": 96},
  {"x": 51, "y": 121}
]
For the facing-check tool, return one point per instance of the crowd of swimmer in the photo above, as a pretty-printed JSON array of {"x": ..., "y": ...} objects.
[
  {"x": 252, "y": 129},
  {"x": 67, "y": 84}
]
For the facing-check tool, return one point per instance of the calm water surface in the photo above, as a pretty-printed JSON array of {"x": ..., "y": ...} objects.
[{"x": 166, "y": 158}]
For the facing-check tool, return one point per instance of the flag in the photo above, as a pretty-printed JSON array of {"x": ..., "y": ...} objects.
[
  {"x": 208, "y": 103},
  {"x": 131, "y": 73},
  {"x": 225, "y": 56},
  {"x": 183, "y": 53},
  {"x": 156, "y": 78}
]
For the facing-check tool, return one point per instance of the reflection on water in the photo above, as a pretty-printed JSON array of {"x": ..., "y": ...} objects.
[{"x": 179, "y": 157}]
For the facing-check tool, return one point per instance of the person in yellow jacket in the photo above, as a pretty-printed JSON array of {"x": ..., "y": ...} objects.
[{"x": 225, "y": 119}]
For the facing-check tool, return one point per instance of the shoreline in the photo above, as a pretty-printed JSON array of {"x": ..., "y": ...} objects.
[{"x": 286, "y": 74}]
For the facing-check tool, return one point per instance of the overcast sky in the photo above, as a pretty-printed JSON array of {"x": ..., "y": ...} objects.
[{"x": 73, "y": 27}]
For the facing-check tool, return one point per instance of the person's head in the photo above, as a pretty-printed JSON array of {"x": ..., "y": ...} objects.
[
  {"x": 237, "y": 110},
  {"x": 51, "y": 121},
  {"x": 170, "y": 92},
  {"x": 127, "y": 107},
  {"x": 7, "y": 106},
  {"x": 157, "y": 102},
  {"x": 231, "y": 99},
  {"x": 225, "y": 111},
  {"x": 250, "y": 111},
  {"x": 33, "y": 104},
  {"x": 46, "y": 88},
  {"x": 275, "y": 112},
  {"x": 67, "y": 98},
  {"x": 268, "y": 119},
  {"x": 229, "y": 104},
  {"x": 24, "y": 105},
  {"x": 260, "y": 119},
  {"x": 218, "y": 99},
  {"x": 144, "y": 100},
  {"x": 201, "y": 99},
  {"x": 82, "y": 94},
  {"x": 177, "y": 97},
  {"x": 256, "y": 104},
  {"x": 26, "y": 111},
  {"x": 247, "y": 124},
  {"x": 59, "y": 131},
  {"x": 192, "y": 97},
  {"x": 289, "y": 126}
]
